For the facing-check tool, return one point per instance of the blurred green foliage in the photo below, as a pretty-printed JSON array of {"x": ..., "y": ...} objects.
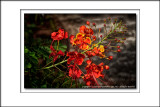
[{"x": 36, "y": 56}]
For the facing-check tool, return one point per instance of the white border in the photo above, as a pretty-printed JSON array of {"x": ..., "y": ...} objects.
[
  {"x": 149, "y": 57},
  {"x": 105, "y": 11}
]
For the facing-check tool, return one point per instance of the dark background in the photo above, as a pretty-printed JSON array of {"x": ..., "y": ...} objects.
[{"x": 123, "y": 66}]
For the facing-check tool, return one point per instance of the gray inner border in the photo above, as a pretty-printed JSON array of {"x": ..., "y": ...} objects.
[
  {"x": 0, "y": 53},
  {"x": 77, "y": 0},
  {"x": 84, "y": 13}
]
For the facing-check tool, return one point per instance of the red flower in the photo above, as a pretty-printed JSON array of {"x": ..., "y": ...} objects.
[
  {"x": 118, "y": 50},
  {"x": 94, "y": 38},
  {"x": 87, "y": 40},
  {"x": 88, "y": 23},
  {"x": 54, "y": 53},
  {"x": 74, "y": 72},
  {"x": 66, "y": 35},
  {"x": 90, "y": 53},
  {"x": 110, "y": 57},
  {"x": 95, "y": 70},
  {"x": 106, "y": 67},
  {"x": 81, "y": 41},
  {"x": 87, "y": 31},
  {"x": 60, "y": 53},
  {"x": 59, "y": 35},
  {"x": 53, "y": 35},
  {"x": 79, "y": 38},
  {"x": 88, "y": 62},
  {"x": 71, "y": 39},
  {"x": 88, "y": 78},
  {"x": 82, "y": 29},
  {"x": 105, "y": 47},
  {"x": 93, "y": 24},
  {"x": 95, "y": 50},
  {"x": 118, "y": 46},
  {"x": 76, "y": 57}
]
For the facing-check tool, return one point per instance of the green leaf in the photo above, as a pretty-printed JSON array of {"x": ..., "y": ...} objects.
[
  {"x": 62, "y": 47},
  {"x": 44, "y": 86},
  {"x": 29, "y": 65},
  {"x": 32, "y": 54},
  {"x": 31, "y": 25},
  {"x": 26, "y": 50}
]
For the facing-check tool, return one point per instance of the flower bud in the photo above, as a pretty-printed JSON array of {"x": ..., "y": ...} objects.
[
  {"x": 118, "y": 50},
  {"x": 118, "y": 46},
  {"x": 110, "y": 57},
  {"x": 88, "y": 23},
  {"x": 106, "y": 67},
  {"x": 93, "y": 24},
  {"x": 94, "y": 38},
  {"x": 105, "y": 47}
]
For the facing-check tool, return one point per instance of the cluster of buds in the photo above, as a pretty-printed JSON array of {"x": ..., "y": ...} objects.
[{"x": 86, "y": 42}]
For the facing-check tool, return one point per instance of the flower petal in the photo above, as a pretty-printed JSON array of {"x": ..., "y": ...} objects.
[
  {"x": 66, "y": 35},
  {"x": 60, "y": 53},
  {"x": 87, "y": 40},
  {"x": 82, "y": 29},
  {"x": 89, "y": 62}
]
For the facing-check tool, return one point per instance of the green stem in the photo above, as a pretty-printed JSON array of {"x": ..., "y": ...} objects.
[{"x": 55, "y": 64}]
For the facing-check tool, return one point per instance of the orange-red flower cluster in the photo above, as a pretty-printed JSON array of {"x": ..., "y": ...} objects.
[
  {"x": 89, "y": 80},
  {"x": 74, "y": 71},
  {"x": 82, "y": 41},
  {"x": 87, "y": 31},
  {"x": 83, "y": 38},
  {"x": 77, "y": 59},
  {"x": 55, "y": 54},
  {"x": 59, "y": 35},
  {"x": 94, "y": 71},
  {"x": 96, "y": 51}
]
